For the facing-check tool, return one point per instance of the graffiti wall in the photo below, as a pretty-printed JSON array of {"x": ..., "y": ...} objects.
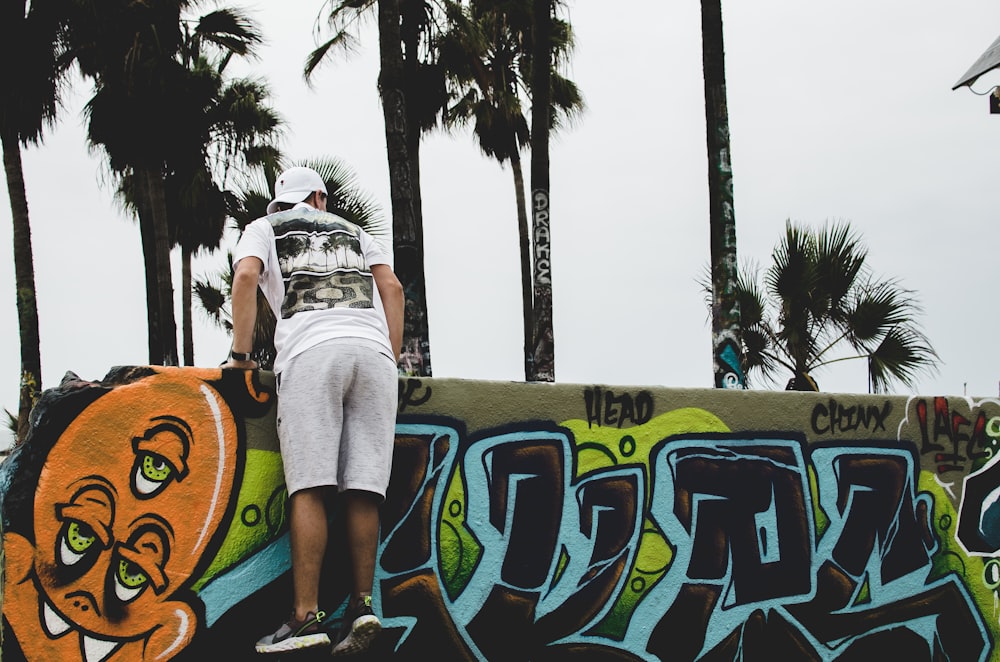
[{"x": 145, "y": 518}]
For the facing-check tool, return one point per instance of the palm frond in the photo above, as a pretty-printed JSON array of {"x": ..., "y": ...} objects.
[
  {"x": 339, "y": 42},
  {"x": 902, "y": 355},
  {"x": 567, "y": 101},
  {"x": 213, "y": 297},
  {"x": 840, "y": 259},
  {"x": 878, "y": 308},
  {"x": 11, "y": 424},
  {"x": 344, "y": 19},
  {"x": 229, "y": 30}
]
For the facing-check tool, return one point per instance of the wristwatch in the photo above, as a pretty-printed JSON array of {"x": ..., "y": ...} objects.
[{"x": 240, "y": 356}]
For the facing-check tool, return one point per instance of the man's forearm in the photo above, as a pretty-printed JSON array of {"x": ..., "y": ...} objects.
[
  {"x": 244, "y": 298},
  {"x": 394, "y": 317},
  {"x": 391, "y": 292}
]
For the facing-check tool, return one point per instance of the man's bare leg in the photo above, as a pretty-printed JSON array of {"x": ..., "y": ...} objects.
[
  {"x": 362, "y": 519},
  {"x": 308, "y": 539},
  {"x": 360, "y": 626}
]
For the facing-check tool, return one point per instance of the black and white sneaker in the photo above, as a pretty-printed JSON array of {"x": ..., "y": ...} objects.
[
  {"x": 293, "y": 635},
  {"x": 359, "y": 629}
]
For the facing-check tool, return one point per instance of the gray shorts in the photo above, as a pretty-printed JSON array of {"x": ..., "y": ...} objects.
[{"x": 337, "y": 416}]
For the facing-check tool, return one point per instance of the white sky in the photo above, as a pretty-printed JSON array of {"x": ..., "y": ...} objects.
[{"x": 837, "y": 111}]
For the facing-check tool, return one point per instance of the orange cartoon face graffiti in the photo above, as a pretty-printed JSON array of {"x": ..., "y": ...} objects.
[{"x": 127, "y": 503}]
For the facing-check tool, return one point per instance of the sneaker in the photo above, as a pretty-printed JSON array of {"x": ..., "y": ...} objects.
[
  {"x": 359, "y": 629},
  {"x": 293, "y": 635}
]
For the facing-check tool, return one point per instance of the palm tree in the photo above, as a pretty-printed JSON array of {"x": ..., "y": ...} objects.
[
  {"x": 238, "y": 130},
  {"x": 726, "y": 330},
  {"x": 31, "y": 48},
  {"x": 487, "y": 54},
  {"x": 820, "y": 304},
  {"x": 411, "y": 84},
  {"x": 169, "y": 125},
  {"x": 345, "y": 199},
  {"x": 144, "y": 104}
]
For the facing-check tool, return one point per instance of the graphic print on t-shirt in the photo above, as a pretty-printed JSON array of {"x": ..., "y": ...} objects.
[{"x": 321, "y": 263}]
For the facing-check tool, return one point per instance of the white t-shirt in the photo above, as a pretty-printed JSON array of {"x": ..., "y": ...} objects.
[{"x": 317, "y": 279}]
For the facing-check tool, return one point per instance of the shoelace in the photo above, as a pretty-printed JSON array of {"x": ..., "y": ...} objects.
[{"x": 317, "y": 619}]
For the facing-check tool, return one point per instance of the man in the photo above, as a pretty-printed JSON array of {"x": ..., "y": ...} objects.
[{"x": 340, "y": 324}]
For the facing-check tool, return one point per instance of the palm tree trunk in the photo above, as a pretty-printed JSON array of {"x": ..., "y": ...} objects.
[
  {"x": 163, "y": 285},
  {"x": 154, "y": 347},
  {"x": 407, "y": 230},
  {"x": 543, "y": 354},
  {"x": 525, "y": 242},
  {"x": 186, "y": 323},
  {"x": 411, "y": 20},
  {"x": 24, "y": 275},
  {"x": 727, "y": 343}
]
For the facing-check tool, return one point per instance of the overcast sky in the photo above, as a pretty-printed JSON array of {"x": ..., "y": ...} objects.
[{"x": 838, "y": 111}]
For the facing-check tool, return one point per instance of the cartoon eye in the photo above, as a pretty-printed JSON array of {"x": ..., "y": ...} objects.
[
  {"x": 77, "y": 539},
  {"x": 129, "y": 581},
  {"x": 152, "y": 473}
]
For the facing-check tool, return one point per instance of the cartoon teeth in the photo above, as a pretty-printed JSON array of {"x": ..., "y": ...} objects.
[{"x": 94, "y": 650}]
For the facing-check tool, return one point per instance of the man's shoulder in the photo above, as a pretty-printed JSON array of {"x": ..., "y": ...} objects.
[
  {"x": 252, "y": 233},
  {"x": 257, "y": 225}
]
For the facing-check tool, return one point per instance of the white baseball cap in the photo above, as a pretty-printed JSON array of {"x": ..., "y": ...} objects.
[{"x": 295, "y": 185}]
